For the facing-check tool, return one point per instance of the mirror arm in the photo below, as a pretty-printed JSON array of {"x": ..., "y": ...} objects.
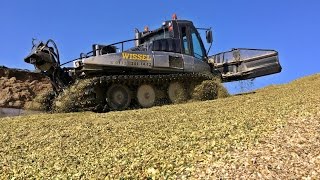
[
  {"x": 206, "y": 29},
  {"x": 209, "y": 49}
]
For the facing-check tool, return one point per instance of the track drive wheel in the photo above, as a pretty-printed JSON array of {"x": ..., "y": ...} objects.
[
  {"x": 177, "y": 92},
  {"x": 146, "y": 95},
  {"x": 118, "y": 97}
]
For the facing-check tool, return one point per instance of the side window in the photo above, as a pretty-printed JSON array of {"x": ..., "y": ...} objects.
[
  {"x": 185, "y": 41},
  {"x": 197, "y": 49}
]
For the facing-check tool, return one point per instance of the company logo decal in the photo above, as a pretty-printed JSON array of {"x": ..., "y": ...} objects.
[{"x": 140, "y": 57}]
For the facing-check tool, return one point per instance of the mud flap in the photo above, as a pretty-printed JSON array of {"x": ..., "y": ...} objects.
[{"x": 241, "y": 64}]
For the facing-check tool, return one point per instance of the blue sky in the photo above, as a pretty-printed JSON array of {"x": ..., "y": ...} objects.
[{"x": 290, "y": 27}]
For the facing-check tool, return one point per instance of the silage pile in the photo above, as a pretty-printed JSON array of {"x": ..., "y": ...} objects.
[
  {"x": 273, "y": 133},
  {"x": 19, "y": 87},
  {"x": 15, "y": 92}
]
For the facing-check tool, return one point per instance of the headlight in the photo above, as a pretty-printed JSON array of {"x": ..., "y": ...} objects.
[{"x": 77, "y": 64}]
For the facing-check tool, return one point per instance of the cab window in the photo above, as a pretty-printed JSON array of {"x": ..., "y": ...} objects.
[
  {"x": 197, "y": 49},
  {"x": 185, "y": 41}
]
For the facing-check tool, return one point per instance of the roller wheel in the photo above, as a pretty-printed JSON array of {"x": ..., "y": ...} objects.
[
  {"x": 177, "y": 92},
  {"x": 146, "y": 95},
  {"x": 118, "y": 97}
]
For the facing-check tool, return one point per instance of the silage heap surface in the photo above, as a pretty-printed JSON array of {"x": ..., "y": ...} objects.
[{"x": 273, "y": 133}]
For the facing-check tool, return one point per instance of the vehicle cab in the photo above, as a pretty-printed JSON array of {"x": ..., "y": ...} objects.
[{"x": 177, "y": 44}]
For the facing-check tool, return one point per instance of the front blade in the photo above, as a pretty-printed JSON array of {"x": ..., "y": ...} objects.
[{"x": 241, "y": 64}]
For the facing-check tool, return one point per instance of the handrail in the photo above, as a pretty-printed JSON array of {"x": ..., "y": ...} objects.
[
  {"x": 121, "y": 42},
  {"x": 243, "y": 49},
  {"x": 87, "y": 54},
  {"x": 224, "y": 60}
]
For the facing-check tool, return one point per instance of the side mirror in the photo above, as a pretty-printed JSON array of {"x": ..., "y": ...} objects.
[{"x": 209, "y": 36}]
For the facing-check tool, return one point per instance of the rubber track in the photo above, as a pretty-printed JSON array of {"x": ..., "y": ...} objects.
[
  {"x": 88, "y": 102},
  {"x": 154, "y": 79}
]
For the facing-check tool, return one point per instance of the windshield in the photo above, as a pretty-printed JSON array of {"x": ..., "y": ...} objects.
[{"x": 162, "y": 34}]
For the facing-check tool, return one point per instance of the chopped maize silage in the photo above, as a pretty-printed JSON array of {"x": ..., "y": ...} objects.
[
  {"x": 42, "y": 102},
  {"x": 209, "y": 90},
  {"x": 73, "y": 98},
  {"x": 193, "y": 140}
]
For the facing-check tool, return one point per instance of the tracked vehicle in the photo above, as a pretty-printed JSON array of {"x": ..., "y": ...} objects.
[{"x": 163, "y": 64}]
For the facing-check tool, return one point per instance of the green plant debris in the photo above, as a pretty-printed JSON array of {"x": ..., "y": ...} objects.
[
  {"x": 42, "y": 102},
  {"x": 241, "y": 136},
  {"x": 73, "y": 98},
  {"x": 209, "y": 90}
]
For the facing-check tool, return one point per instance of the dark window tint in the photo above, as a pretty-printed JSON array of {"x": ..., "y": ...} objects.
[
  {"x": 185, "y": 40},
  {"x": 197, "y": 50}
]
